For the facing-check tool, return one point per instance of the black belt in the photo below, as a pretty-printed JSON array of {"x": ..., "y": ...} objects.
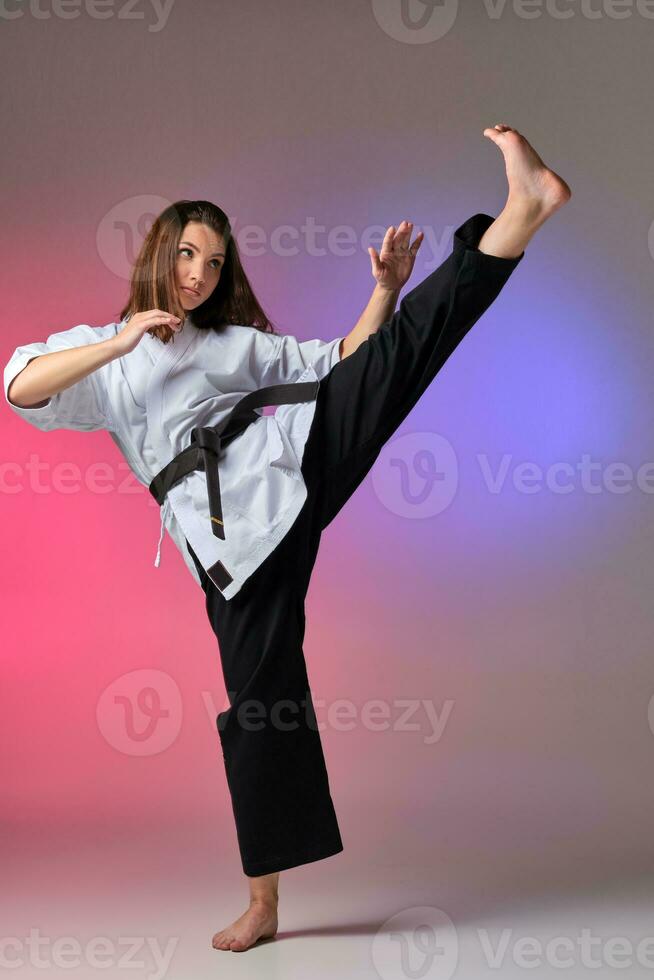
[{"x": 207, "y": 442}]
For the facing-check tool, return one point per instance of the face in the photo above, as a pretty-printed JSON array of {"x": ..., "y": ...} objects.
[{"x": 200, "y": 258}]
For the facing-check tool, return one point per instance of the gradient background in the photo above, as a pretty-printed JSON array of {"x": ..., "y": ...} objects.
[{"x": 524, "y": 617}]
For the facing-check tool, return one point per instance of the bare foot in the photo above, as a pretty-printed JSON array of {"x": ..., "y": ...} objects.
[
  {"x": 532, "y": 186},
  {"x": 259, "y": 921}
]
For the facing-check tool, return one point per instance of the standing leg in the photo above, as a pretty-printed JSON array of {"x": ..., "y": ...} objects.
[
  {"x": 367, "y": 395},
  {"x": 270, "y": 742}
]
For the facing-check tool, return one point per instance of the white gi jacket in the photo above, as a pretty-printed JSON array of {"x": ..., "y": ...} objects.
[{"x": 150, "y": 399}]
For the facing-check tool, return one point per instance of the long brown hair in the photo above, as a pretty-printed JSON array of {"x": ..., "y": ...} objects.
[{"x": 153, "y": 283}]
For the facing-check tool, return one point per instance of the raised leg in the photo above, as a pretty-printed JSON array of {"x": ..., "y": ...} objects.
[{"x": 366, "y": 396}]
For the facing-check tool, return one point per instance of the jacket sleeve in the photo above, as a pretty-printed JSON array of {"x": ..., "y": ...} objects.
[
  {"x": 291, "y": 357},
  {"x": 83, "y": 406}
]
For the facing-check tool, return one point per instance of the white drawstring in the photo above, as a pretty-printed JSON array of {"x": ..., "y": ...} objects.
[{"x": 164, "y": 514}]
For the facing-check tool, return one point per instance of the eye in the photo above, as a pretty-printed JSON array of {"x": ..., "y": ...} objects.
[
  {"x": 183, "y": 249},
  {"x": 216, "y": 263}
]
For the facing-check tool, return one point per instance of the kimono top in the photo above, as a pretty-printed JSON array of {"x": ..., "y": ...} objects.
[{"x": 150, "y": 399}]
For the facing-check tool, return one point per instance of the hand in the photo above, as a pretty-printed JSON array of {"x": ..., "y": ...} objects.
[
  {"x": 138, "y": 324},
  {"x": 394, "y": 265}
]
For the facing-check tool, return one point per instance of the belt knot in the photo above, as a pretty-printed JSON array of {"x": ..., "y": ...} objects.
[{"x": 205, "y": 437}]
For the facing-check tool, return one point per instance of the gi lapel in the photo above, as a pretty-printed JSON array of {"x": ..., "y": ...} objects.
[{"x": 171, "y": 354}]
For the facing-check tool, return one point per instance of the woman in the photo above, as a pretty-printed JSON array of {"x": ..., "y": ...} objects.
[{"x": 169, "y": 382}]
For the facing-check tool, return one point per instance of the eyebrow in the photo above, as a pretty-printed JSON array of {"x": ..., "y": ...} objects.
[{"x": 222, "y": 254}]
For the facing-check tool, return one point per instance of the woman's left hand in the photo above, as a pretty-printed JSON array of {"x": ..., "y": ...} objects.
[{"x": 393, "y": 266}]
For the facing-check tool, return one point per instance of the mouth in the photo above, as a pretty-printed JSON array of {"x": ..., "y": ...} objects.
[{"x": 191, "y": 292}]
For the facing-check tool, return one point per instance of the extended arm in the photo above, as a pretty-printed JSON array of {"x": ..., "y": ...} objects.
[
  {"x": 391, "y": 269},
  {"x": 380, "y": 308}
]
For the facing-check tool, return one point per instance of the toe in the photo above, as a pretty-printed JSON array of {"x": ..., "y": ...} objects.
[{"x": 511, "y": 137}]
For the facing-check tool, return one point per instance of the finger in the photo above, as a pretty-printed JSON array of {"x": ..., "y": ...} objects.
[
  {"x": 164, "y": 316},
  {"x": 417, "y": 243},
  {"x": 374, "y": 257},
  {"x": 165, "y": 319},
  {"x": 419, "y": 237},
  {"x": 162, "y": 313},
  {"x": 403, "y": 234},
  {"x": 387, "y": 244},
  {"x": 405, "y": 242}
]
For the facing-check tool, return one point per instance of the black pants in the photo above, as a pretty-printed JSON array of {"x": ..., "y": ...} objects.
[{"x": 271, "y": 747}]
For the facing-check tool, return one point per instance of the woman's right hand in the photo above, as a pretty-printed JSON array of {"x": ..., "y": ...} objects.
[{"x": 138, "y": 324}]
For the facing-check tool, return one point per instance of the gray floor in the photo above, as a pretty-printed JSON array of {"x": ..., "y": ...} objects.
[{"x": 394, "y": 921}]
